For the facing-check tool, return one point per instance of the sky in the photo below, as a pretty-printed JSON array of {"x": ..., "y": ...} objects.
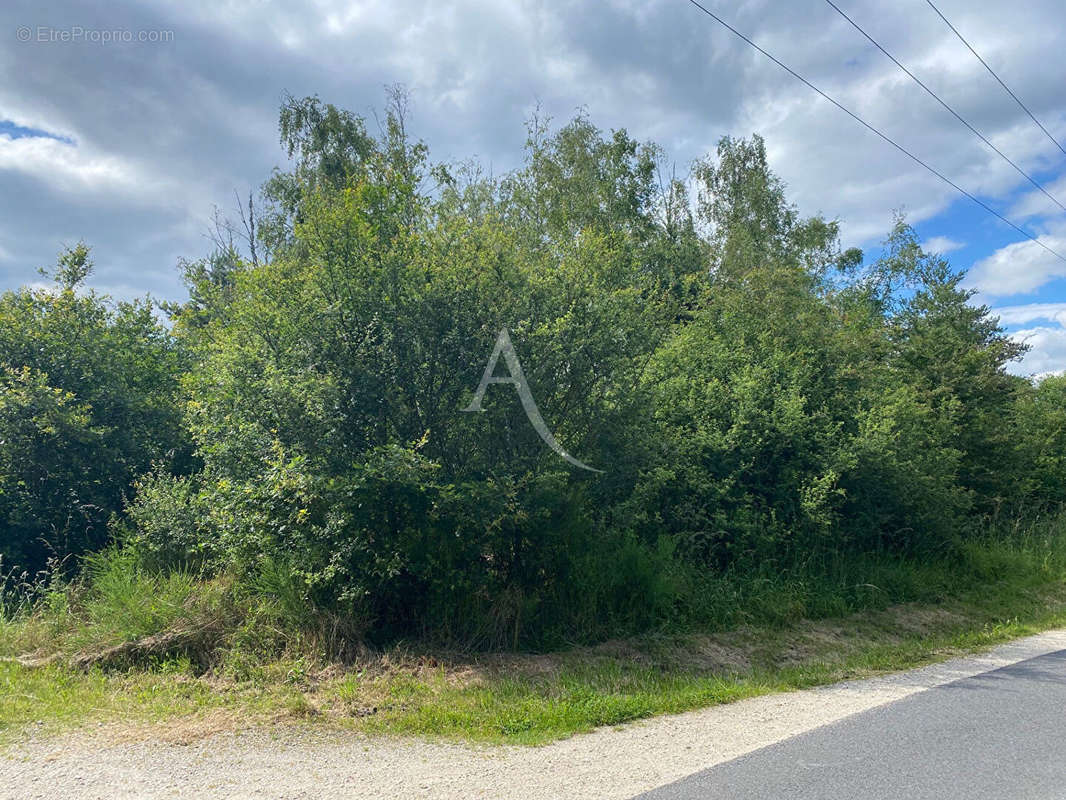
[{"x": 125, "y": 124}]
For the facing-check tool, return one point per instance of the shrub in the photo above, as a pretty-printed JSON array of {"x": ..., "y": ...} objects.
[{"x": 88, "y": 399}]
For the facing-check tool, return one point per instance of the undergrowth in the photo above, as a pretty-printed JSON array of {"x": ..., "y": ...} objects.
[{"x": 89, "y": 649}]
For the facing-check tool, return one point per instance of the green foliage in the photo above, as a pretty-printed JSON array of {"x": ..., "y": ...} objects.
[
  {"x": 762, "y": 402},
  {"x": 954, "y": 354},
  {"x": 49, "y": 447},
  {"x": 1040, "y": 425},
  {"x": 1004, "y": 582},
  {"x": 746, "y": 403},
  {"x": 325, "y": 400},
  {"x": 88, "y": 399}
]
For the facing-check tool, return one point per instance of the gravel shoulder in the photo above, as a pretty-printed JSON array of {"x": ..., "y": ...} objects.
[{"x": 296, "y": 762}]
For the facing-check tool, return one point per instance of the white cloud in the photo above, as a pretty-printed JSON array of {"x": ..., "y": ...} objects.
[
  {"x": 1036, "y": 203},
  {"x": 65, "y": 166},
  {"x": 941, "y": 244},
  {"x": 1021, "y": 315},
  {"x": 1048, "y": 353},
  {"x": 1019, "y": 267}
]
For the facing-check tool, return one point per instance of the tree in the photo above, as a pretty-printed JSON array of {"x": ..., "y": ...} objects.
[
  {"x": 88, "y": 400},
  {"x": 955, "y": 355},
  {"x": 329, "y": 145},
  {"x": 1039, "y": 423},
  {"x": 754, "y": 393},
  {"x": 750, "y": 221},
  {"x": 332, "y": 377}
]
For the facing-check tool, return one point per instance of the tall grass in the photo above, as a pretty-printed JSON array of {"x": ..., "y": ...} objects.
[
  {"x": 258, "y": 617},
  {"x": 1007, "y": 558}
]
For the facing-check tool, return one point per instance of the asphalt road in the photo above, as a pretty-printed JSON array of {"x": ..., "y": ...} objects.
[{"x": 1000, "y": 734}]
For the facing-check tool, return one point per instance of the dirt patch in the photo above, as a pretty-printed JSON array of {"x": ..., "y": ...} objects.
[
  {"x": 919, "y": 619},
  {"x": 728, "y": 653},
  {"x": 180, "y": 731}
]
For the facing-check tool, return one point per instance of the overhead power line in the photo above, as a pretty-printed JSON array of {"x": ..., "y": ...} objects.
[
  {"x": 992, "y": 72},
  {"x": 874, "y": 130},
  {"x": 950, "y": 110}
]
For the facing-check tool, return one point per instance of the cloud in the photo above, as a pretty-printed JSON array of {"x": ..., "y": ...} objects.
[
  {"x": 164, "y": 131},
  {"x": 1019, "y": 268},
  {"x": 1021, "y": 315},
  {"x": 941, "y": 244},
  {"x": 1036, "y": 204},
  {"x": 1047, "y": 343},
  {"x": 64, "y": 166},
  {"x": 1047, "y": 355}
]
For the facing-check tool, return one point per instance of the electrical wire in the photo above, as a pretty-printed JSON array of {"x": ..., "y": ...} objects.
[
  {"x": 992, "y": 72},
  {"x": 952, "y": 111},
  {"x": 874, "y": 130}
]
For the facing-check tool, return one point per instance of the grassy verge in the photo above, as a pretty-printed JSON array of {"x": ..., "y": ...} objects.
[
  {"x": 537, "y": 702},
  {"x": 260, "y": 672}
]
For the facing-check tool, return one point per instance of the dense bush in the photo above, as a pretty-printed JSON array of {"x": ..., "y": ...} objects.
[
  {"x": 755, "y": 396},
  {"x": 88, "y": 399},
  {"x": 326, "y": 401},
  {"x": 1039, "y": 425}
]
